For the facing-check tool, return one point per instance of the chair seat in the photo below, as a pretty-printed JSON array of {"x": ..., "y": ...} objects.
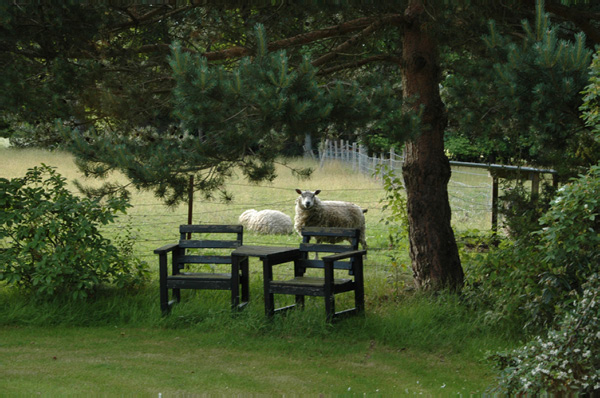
[
  {"x": 310, "y": 281},
  {"x": 309, "y": 285},
  {"x": 199, "y": 276}
]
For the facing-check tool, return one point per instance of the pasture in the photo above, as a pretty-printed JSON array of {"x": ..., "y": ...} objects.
[{"x": 117, "y": 342}]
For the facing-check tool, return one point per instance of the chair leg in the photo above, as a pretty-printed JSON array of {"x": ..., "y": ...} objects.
[
  {"x": 359, "y": 299},
  {"x": 359, "y": 288},
  {"x": 162, "y": 284},
  {"x": 330, "y": 307},
  {"x": 164, "y": 297},
  {"x": 235, "y": 283},
  {"x": 299, "y": 301}
]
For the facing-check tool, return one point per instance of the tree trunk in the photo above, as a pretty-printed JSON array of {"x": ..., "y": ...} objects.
[{"x": 433, "y": 250}]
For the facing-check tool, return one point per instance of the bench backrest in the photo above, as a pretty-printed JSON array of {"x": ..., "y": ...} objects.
[
  {"x": 231, "y": 237},
  {"x": 328, "y": 241}
]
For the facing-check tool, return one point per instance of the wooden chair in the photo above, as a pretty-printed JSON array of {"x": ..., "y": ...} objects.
[
  {"x": 327, "y": 284},
  {"x": 202, "y": 251}
]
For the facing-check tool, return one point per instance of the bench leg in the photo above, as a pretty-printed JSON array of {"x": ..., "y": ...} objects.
[
  {"x": 235, "y": 283},
  {"x": 164, "y": 292},
  {"x": 300, "y": 301},
  {"x": 330, "y": 307}
]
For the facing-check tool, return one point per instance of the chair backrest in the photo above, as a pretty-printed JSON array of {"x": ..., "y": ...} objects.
[
  {"x": 328, "y": 240},
  {"x": 232, "y": 238}
]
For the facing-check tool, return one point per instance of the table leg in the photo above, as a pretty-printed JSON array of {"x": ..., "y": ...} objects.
[{"x": 269, "y": 298}]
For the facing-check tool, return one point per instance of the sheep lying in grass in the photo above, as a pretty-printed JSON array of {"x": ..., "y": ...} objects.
[
  {"x": 266, "y": 221},
  {"x": 314, "y": 212}
]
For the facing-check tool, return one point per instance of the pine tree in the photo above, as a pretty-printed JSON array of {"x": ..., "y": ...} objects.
[
  {"x": 523, "y": 100},
  {"x": 238, "y": 118}
]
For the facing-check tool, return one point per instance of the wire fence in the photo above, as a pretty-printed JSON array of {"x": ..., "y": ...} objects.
[
  {"x": 471, "y": 194},
  {"x": 469, "y": 189},
  {"x": 473, "y": 188}
]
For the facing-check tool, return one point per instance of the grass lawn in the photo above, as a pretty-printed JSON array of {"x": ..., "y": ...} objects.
[
  {"x": 123, "y": 360},
  {"x": 117, "y": 343}
]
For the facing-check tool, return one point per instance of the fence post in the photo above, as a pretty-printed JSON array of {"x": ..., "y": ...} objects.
[
  {"x": 354, "y": 165},
  {"x": 347, "y": 150},
  {"x": 374, "y": 162},
  {"x": 494, "y": 203},
  {"x": 361, "y": 159},
  {"x": 190, "y": 203},
  {"x": 535, "y": 184},
  {"x": 325, "y": 151}
]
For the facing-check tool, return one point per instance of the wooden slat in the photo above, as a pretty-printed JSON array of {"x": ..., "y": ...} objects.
[
  {"x": 210, "y": 228},
  {"x": 318, "y": 247},
  {"x": 209, "y": 244},
  {"x": 200, "y": 276},
  {"x": 333, "y": 232},
  {"x": 204, "y": 260},
  {"x": 345, "y": 265}
]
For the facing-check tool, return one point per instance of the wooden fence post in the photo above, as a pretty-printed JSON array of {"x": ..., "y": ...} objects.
[
  {"x": 494, "y": 204},
  {"x": 535, "y": 184},
  {"x": 361, "y": 158},
  {"x": 190, "y": 203}
]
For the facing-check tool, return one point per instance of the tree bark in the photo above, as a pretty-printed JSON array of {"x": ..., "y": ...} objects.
[{"x": 433, "y": 250}]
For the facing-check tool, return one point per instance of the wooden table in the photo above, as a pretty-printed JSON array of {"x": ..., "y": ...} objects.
[{"x": 269, "y": 255}]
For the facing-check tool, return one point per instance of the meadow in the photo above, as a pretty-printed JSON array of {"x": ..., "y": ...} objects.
[{"x": 118, "y": 343}]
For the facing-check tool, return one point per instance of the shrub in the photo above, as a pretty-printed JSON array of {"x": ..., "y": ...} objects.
[
  {"x": 566, "y": 360},
  {"x": 530, "y": 280},
  {"x": 52, "y": 244}
]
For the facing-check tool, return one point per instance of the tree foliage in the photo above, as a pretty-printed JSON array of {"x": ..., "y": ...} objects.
[
  {"x": 238, "y": 116},
  {"x": 519, "y": 104}
]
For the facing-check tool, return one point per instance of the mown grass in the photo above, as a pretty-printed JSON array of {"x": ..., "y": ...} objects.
[{"x": 117, "y": 342}]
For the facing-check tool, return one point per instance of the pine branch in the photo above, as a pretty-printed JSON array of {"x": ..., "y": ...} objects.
[
  {"x": 361, "y": 62},
  {"x": 354, "y": 39},
  {"x": 583, "y": 20},
  {"x": 367, "y": 24}
]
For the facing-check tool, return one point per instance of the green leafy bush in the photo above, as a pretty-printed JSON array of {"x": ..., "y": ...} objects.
[
  {"x": 51, "y": 242},
  {"x": 564, "y": 361},
  {"x": 531, "y": 279}
]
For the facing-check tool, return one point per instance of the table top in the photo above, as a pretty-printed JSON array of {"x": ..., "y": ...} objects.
[{"x": 265, "y": 251}]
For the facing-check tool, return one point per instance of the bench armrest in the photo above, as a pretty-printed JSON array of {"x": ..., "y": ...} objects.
[
  {"x": 166, "y": 248},
  {"x": 344, "y": 255}
]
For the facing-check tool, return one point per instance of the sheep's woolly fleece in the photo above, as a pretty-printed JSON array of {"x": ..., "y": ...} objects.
[
  {"x": 313, "y": 212},
  {"x": 266, "y": 221}
]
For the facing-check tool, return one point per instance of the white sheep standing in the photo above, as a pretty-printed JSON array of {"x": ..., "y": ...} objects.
[
  {"x": 314, "y": 212},
  {"x": 266, "y": 221}
]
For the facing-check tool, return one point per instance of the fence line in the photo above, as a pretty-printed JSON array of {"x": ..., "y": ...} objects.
[{"x": 357, "y": 156}]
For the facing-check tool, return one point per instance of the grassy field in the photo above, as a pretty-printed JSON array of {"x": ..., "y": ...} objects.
[{"x": 117, "y": 342}]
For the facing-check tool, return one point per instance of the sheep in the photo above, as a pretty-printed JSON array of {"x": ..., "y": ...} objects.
[
  {"x": 314, "y": 212},
  {"x": 266, "y": 221}
]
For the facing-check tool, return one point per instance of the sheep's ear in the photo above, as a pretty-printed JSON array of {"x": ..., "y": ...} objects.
[
  {"x": 299, "y": 191},
  {"x": 318, "y": 191}
]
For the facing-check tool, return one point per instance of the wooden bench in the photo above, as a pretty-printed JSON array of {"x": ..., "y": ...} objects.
[
  {"x": 346, "y": 258},
  {"x": 224, "y": 275}
]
